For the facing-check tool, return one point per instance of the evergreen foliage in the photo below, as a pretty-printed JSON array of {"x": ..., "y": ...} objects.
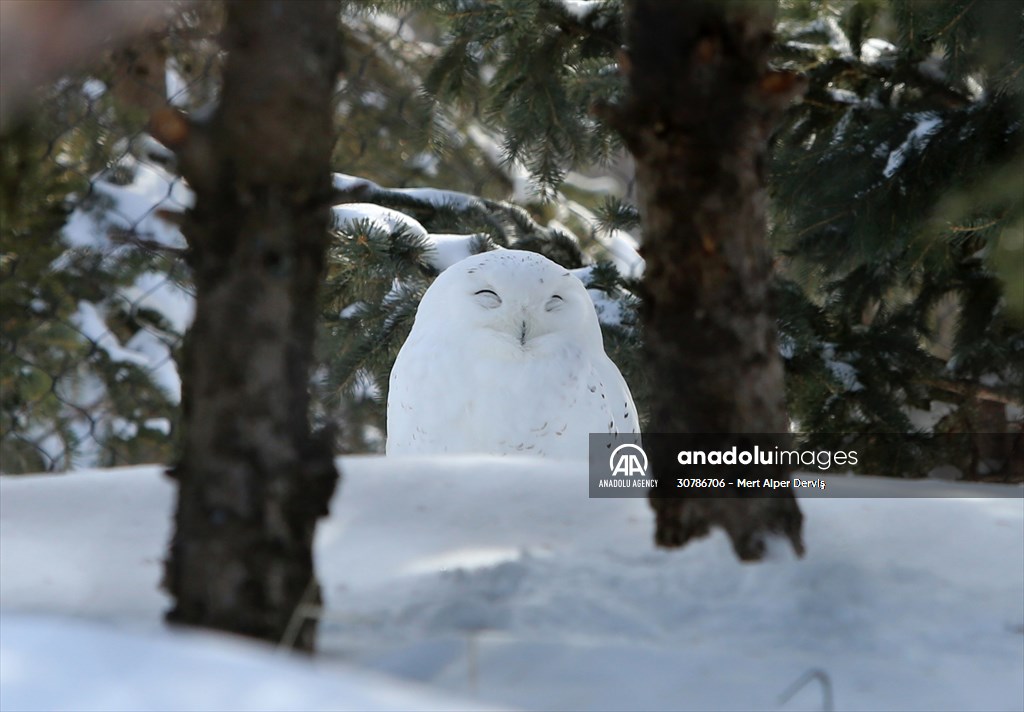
[
  {"x": 68, "y": 397},
  {"x": 388, "y": 132},
  {"x": 897, "y": 215},
  {"x": 893, "y": 183},
  {"x": 896, "y": 185},
  {"x": 533, "y": 69},
  {"x": 31, "y": 350}
]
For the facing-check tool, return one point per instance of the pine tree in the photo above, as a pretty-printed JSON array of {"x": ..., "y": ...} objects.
[
  {"x": 95, "y": 123},
  {"x": 895, "y": 209},
  {"x": 895, "y": 183},
  {"x": 70, "y": 396},
  {"x": 28, "y": 247},
  {"x": 700, "y": 106},
  {"x": 253, "y": 479},
  {"x": 96, "y": 293},
  {"x": 896, "y": 204}
]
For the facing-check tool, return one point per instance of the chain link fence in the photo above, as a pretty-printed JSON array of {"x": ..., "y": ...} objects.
[
  {"x": 96, "y": 296},
  {"x": 95, "y": 287}
]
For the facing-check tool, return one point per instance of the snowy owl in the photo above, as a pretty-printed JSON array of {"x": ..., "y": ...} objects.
[{"x": 505, "y": 357}]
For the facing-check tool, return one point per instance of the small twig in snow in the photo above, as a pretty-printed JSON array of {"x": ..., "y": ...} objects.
[
  {"x": 828, "y": 703},
  {"x": 303, "y": 612}
]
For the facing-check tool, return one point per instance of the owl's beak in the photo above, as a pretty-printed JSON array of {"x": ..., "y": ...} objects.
[{"x": 522, "y": 333}]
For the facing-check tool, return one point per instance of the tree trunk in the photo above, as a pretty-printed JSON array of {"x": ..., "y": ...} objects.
[
  {"x": 253, "y": 479},
  {"x": 697, "y": 116}
]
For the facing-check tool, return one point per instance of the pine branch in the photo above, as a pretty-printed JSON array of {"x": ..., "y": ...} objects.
[
  {"x": 517, "y": 221},
  {"x": 974, "y": 391},
  {"x": 119, "y": 237}
]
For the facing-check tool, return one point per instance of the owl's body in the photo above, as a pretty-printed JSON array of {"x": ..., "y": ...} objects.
[{"x": 505, "y": 357}]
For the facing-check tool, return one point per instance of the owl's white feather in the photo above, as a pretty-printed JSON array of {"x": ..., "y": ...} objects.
[{"x": 505, "y": 356}]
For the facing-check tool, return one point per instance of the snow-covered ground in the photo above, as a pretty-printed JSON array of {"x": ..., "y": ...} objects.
[{"x": 498, "y": 582}]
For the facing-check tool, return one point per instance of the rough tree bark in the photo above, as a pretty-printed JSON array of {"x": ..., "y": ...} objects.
[
  {"x": 697, "y": 116},
  {"x": 252, "y": 478}
]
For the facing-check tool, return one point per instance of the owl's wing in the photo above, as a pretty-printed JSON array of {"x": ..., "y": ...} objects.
[
  {"x": 400, "y": 422},
  {"x": 623, "y": 410},
  {"x": 410, "y": 392},
  {"x": 430, "y": 402}
]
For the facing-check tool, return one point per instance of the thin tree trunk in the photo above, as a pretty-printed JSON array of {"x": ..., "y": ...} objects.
[
  {"x": 697, "y": 116},
  {"x": 253, "y": 480}
]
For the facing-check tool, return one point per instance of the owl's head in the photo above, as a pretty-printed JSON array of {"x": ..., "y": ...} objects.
[{"x": 521, "y": 299}]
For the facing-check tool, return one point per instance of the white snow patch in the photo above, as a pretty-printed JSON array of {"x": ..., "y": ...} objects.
[
  {"x": 933, "y": 67},
  {"x": 581, "y": 9},
  {"x": 594, "y": 184},
  {"x": 975, "y": 89},
  {"x": 452, "y": 199},
  {"x": 158, "y": 292},
  {"x": 123, "y": 428},
  {"x": 440, "y": 198},
  {"x": 374, "y": 438},
  {"x": 177, "y": 88},
  {"x": 874, "y": 49},
  {"x": 843, "y": 372},
  {"x": 926, "y": 420},
  {"x": 353, "y": 310},
  {"x": 373, "y": 98},
  {"x": 347, "y": 215},
  {"x": 93, "y": 89},
  {"x": 844, "y": 96},
  {"x": 133, "y": 208},
  {"x": 425, "y": 162},
  {"x": 622, "y": 247},
  {"x": 835, "y": 38},
  {"x": 839, "y": 132},
  {"x": 609, "y": 310},
  {"x": 802, "y": 46},
  {"x": 160, "y": 425},
  {"x": 927, "y": 124},
  {"x": 342, "y": 181},
  {"x": 564, "y": 229},
  {"x": 787, "y": 346},
  {"x": 992, "y": 380},
  {"x": 394, "y": 26},
  {"x": 446, "y": 250},
  {"x": 163, "y": 371},
  {"x": 152, "y": 149},
  {"x": 101, "y": 667},
  {"x": 431, "y": 196},
  {"x": 91, "y": 323},
  {"x": 624, "y": 251},
  {"x": 365, "y": 387},
  {"x": 498, "y": 579}
]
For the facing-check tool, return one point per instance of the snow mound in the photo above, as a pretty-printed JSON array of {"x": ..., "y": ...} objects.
[
  {"x": 498, "y": 579},
  {"x": 101, "y": 668}
]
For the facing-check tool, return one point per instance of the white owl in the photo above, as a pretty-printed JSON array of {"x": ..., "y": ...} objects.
[{"x": 505, "y": 356}]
